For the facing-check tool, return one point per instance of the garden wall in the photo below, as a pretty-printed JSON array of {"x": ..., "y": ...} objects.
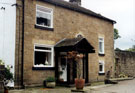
[{"x": 125, "y": 63}]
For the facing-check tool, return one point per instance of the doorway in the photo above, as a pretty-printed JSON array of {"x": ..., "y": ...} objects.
[
  {"x": 63, "y": 67},
  {"x": 67, "y": 69}
]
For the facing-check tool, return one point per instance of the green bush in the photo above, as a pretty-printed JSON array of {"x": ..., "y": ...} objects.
[
  {"x": 50, "y": 79},
  {"x": 8, "y": 75},
  {"x": 1, "y": 62}
]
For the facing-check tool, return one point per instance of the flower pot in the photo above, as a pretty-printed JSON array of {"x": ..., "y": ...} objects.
[
  {"x": 50, "y": 84},
  {"x": 5, "y": 90},
  {"x": 79, "y": 83}
]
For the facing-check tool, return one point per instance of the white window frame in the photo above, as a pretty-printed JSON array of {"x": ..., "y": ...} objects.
[
  {"x": 103, "y": 64},
  {"x": 50, "y": 9},
  {"x": 50, "y": 51},
  {"x": 102, "y": 41}
]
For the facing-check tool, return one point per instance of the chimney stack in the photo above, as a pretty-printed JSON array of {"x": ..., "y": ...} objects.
[{"x": 77, "y": 2}]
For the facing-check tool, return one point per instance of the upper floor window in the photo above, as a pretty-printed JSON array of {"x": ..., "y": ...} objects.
[
  {"x": 43, "y": 56},
  {"x": 44, "y": 16},
  {"x": 101, "y": 45},
  {"x": 101, "y": 67}
]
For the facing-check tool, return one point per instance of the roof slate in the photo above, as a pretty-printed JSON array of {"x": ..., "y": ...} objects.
[
  {"x": 79, "y": 44},
  {"x": 77, "y": 8},
  {"x": 68, "y": 42}
]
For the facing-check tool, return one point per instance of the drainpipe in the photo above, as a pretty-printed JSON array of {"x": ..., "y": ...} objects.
[{"x": 22, "y": 51}]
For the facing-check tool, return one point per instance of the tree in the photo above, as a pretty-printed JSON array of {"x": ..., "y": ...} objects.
[
  {"x": 117, "y": 49},
  {"x": 116, "y": 34},
  {"x": 131, "y": 49}
]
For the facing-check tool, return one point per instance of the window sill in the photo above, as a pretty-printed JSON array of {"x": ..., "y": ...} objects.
[
  {"x": 43, "y": 68},
  {"x": 44, "y": 28},
  {"x": 101, "y": 54},
  {"x": 101, "y": 73}
]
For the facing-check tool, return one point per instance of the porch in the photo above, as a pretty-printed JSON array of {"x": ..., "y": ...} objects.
[{"x": 65, "y": 68}]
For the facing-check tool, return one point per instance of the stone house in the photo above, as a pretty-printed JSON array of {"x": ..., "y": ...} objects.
[{"x": 46, "y": 30}]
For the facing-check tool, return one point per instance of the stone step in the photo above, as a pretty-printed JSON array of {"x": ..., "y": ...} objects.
[{"x": 111, "y": 82}]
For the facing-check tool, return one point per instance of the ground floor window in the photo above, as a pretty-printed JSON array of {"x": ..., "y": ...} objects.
[
  {"x": 43, "y": 56},
  {"x": 101, "y": 67}
]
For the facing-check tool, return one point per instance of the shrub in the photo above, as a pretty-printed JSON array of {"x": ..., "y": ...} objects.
[
  {"x": 50, "y": 79},
  {"x": 8, "y": 74},
  {"x": 1, "y": 62}
]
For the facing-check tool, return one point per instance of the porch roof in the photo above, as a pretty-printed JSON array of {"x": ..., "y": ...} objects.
[{"x": 75, "y": 44}]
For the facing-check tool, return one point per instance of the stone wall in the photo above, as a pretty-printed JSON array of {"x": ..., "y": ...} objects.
[
  {"x": 125, "y": 63},
  {"x": 67, "y": 24}
]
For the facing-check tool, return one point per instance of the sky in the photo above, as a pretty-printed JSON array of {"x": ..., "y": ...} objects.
[{"x": 123, "y": 12}]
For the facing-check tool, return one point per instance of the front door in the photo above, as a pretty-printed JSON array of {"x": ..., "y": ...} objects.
[{"x": 62, "y": 67}]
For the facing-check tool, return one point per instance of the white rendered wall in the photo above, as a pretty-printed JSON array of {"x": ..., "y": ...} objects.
[{"x": 7, "y": 33}]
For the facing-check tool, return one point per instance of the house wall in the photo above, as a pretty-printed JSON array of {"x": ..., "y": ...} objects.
[
  {"x": 7, "y": 33},
  {"x": 67, "y": 24},
  {"x": 125, "y": 63}
]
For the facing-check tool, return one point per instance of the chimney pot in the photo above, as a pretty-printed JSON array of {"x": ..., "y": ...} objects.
[{"x": 77, "y": 2}]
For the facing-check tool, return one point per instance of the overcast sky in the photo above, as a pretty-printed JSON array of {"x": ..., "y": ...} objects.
[{"x": 123, "y": 12}]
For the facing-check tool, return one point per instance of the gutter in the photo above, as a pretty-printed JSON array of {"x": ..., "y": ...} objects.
[{"x": 22, "y": 51}]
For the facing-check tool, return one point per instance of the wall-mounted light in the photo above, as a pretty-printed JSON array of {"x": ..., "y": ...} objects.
[{"x": 17, "y": 5}]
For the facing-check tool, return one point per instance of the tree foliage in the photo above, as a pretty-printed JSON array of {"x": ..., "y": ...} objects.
[
  {"x": 117, "y": 49},
  {"x": 116, "y": 34},
  {"x": 131, "y": 49}
]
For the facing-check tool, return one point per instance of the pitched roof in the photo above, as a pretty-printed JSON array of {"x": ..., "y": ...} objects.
[
  {"x": 75, "y": 44},
  {"x": 77, "y": 8},
  {"x": 68, "y": 42}
]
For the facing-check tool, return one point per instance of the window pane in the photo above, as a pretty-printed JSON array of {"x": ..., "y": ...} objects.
[
  {"x": 101, "y": 39},
  {"x": 42, "y": 58},
  {"x": 43, "y": 22},
  {"x": 43, "y": 18},
  {"x": 43, "y": 15},
  {"x": 100, "y": 46},
  {"x": 43, "y": 9},
  {"x": 63, "y": 61},
  {"x": 100, "y": 67}
]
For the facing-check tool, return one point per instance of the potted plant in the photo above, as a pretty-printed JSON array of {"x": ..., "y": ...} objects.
[
  {"x": 50, "y": 82},
  {"x": 60, "y": 73},
  {"x": 79, "y": 81}
]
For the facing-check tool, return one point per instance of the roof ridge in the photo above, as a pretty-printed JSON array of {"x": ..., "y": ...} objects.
[{"x": 77, "y": 8}]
